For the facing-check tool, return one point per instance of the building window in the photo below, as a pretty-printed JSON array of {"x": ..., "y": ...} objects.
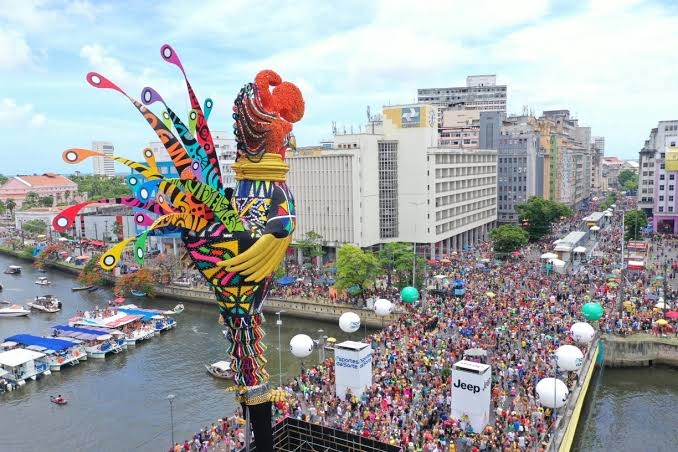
[
  {"x": 388, "y": 189},
  {"x": 661, "y": 208},
  {"x": 661, "y": 187},
  {"x": 661, "y": 197},
  {"x": 672, "y": 176}
]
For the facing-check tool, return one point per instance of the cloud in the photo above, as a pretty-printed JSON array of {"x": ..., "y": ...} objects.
[
  {"x": 14, "y": 116},
  {"x": 101, "y": 60},
  {"x": 14, "y": 50},
  {"x": 46, "y": 16}
]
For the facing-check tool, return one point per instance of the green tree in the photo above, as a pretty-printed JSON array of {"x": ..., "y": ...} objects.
[
  {"x": 10, "y": 205},
  {"x": 628, "y": 180},
  {"x": 3, "y": 179},
  {"x": 508, "y": 238},
  {"x": 537, "y": 215},
  {"x": 3, "y": 207},
  {"x": 310, "y": 246},
  {"x": 634, "y": 222},
  {"x": 34, "y": 226},
  {"x": 395, "y": 259},
  {"x": 355, "y": 267},
  {"x": 101, "y": 186},
  {"x": 117, "y": 229},
  {"x": 32, "y": 200},
  {"x": 46, "y": 201}
]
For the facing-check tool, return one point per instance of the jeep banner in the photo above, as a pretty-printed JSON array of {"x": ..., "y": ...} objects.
[{"x": 471, "y": 389}]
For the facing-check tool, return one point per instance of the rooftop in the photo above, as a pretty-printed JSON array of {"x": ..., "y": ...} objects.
[
  {"x": 45, "y": 180},
  {"x": 18, "y": 356}
]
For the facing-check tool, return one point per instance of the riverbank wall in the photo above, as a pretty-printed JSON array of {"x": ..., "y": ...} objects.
[
  {"x": 640, "y": 350},
  {"x": 298, "y": 308}
]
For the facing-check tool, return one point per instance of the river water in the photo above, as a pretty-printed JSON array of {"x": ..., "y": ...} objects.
[
  {"x": 120, "y": 403},
  {"x": 630, "y": 410}
]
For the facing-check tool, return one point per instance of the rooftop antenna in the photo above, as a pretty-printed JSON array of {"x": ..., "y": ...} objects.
[
  {"x": 351, "y": 129},
  {"x": 334, "y": 127},
  {"x": 369, "y": 116}
]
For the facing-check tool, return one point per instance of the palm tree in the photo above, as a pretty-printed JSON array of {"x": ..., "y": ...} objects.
[{"x": 10, "y": 205}]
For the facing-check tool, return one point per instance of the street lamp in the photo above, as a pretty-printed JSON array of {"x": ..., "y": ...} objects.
[
  {"x": 170, "y": 398},
  {"x": 279, "y": 323},
  {"x": 321, "y": 344}
]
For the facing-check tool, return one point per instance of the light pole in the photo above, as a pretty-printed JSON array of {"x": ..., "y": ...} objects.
[
  {"x": 321, "y": 345},
  {"x": 170, "y": 398},
  {"x": 279, "y": 323},
  {"x": 414, "y": 244}
]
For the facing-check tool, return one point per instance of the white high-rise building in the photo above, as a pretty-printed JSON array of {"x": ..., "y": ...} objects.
[
  {"x": 393, "y": 183},
  {"x": 226, "y": 148},
  {"x": 101, "y": 165},
  {"x": 480, "y": 93}
]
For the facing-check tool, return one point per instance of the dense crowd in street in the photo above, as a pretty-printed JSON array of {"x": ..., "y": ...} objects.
[{"x": 515, "y": 310}]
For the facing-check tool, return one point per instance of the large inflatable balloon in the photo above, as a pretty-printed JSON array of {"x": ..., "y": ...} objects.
[
  {"x": 582, "y": 332},
  {"x": 235, "y": 237},
  {"x": 551, "y": 393},
  {"x": 592, "y": 311},
  {"x": 349, "y": 322},
  {"x": 301, "y": 345},
  {"x": 383, "y": 307},
  {"x": 409, "y": 294},
  {"x": 569, "y": 357}
]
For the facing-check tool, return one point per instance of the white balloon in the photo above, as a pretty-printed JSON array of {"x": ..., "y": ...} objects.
[
  {"x": 301, "y": 345},
  {"x": 582, "y": 332},
  {"x": 569, "y": 357},
  {"x": 349, "y": 322},
  {"x": 383, "y": 307},
  {"x": 551, "y": 393}
]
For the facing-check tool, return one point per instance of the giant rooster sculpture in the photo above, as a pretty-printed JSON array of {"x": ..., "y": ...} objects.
[{"x": 235, "y": 237}]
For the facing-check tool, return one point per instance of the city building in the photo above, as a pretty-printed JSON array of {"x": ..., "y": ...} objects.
[
  {"x": 103, "y": 166},
  {"x": 611, "y": 167},
  {"x": 394, "y": 182},
  {"x": 520, "y": 166},
  {"x": 226, "y": 149},
  {"x": 658, "y": 167},
  {"x": 481, "y": 93},
  {"x": 59, "y": 187},
  {"x": 597, "y": 154}
]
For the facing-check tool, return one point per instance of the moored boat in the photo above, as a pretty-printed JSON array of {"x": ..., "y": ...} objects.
[
  {"x": 220, "y": 369},
  {"x": 76, "y": 289},
  {"x": 58, "y": 352},
  {"x": 13, "y": 310},
  {"x": 138, "y": 293},
  {"x": 178, "y": 309},
  {"x": 43, "y": 281},
  {"x": 13, "y": 270},
  {"x": 22, "y": 365},
  {"x": 45, "y": 303},
  {"x": 97, "y": 343}
]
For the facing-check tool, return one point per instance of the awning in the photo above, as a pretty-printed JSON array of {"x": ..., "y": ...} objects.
[
  {"x": 286, "y": 280},
  {"x": 97, "y": 243},
  {"x": 636, "y": 265},
  {"x": 579, "y": 249}
]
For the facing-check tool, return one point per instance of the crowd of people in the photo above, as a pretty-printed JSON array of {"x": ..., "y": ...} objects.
[{"x": 516, "y": 310}]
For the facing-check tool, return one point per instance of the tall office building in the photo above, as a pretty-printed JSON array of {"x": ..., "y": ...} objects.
[
  {"x": 394, "y": 182},
  {"x": 480, "y": 93},
  {"x": 103, "y": 166}
]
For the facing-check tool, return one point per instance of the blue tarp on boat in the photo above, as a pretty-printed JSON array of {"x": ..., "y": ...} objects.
[
  {"x": 79, "y": 330},
  {"x": 50, "y": 344},
  {"x": 147, "y": 315}
]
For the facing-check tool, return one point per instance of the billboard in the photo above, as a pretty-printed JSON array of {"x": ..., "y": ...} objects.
[
  {"x": 412, "y": 116},
  {"x": 671, "y": 161},
  {"x": 471, "y": 390},
  {"x": 352, "y": 367}
]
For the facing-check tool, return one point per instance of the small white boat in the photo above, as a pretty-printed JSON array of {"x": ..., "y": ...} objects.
[
  {"x": 14, "y": 310},
  {"x": 220, "y": 369},
  {"x": 58, "y": 352},
  {"x": 178, "y": 309},
  {"x": 45, "y": 303},
  {"x": 43, "y": 281},
  {"x": 13, "y": 270}
]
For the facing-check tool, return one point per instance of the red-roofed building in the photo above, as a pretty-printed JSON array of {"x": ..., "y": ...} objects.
[{"x": 61, "y": 188}]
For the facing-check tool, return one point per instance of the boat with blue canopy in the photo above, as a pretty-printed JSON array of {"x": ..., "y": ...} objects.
[
  {"x": 98, "y": 342},
  {"x": 58, "y": 352},
  {"x": 153, "y": 317}
]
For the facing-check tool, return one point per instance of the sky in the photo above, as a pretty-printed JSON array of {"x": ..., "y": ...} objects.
[{"x": 612, "y": 63}]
